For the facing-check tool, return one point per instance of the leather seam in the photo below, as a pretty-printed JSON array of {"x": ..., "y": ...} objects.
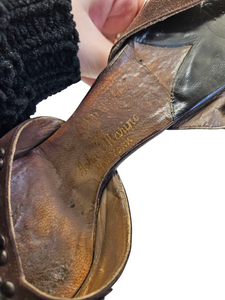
[{"x": 139, "y": 59}]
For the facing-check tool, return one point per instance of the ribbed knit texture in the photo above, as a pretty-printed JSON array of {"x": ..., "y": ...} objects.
[{"x": 38, "y": 55}]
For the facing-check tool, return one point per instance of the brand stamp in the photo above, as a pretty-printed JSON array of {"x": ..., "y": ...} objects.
[
  {"x": 108, "y": 140},
  {"x": 113, "y": 144},
  {"x": 87, "y": 164}
]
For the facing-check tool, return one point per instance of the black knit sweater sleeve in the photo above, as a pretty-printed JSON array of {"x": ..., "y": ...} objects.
[{"x": 38, "y": 55}]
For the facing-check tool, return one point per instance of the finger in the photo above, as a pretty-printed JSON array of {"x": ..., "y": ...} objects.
[
  {"x": 89, "y": 81},
  {"x": 121, "y": 15},
  {"x": 94, "y": 47}
]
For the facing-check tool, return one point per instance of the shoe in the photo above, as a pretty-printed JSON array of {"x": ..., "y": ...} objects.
[{"x": 66, "y": 225}]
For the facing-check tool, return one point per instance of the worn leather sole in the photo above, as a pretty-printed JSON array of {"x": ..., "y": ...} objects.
[
  {"x": 48, "y": 229},
  {"x": 56, "y": 189}
]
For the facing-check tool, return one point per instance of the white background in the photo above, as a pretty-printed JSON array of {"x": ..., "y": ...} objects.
[{"x": 175, "y": 185}]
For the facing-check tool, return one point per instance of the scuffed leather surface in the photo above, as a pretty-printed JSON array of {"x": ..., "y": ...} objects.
[
  {"x": 50, "y": 232},
  {"x": 14, "y": 271},
  {"x": 163, "y": 63},
  {"x": 152, "y": 12}
]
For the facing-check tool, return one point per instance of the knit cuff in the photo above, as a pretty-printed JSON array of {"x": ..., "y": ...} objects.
[{"x": 38, "y": 55}]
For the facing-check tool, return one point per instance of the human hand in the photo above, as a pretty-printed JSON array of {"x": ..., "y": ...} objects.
[{"x": 98, "y": 23}]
